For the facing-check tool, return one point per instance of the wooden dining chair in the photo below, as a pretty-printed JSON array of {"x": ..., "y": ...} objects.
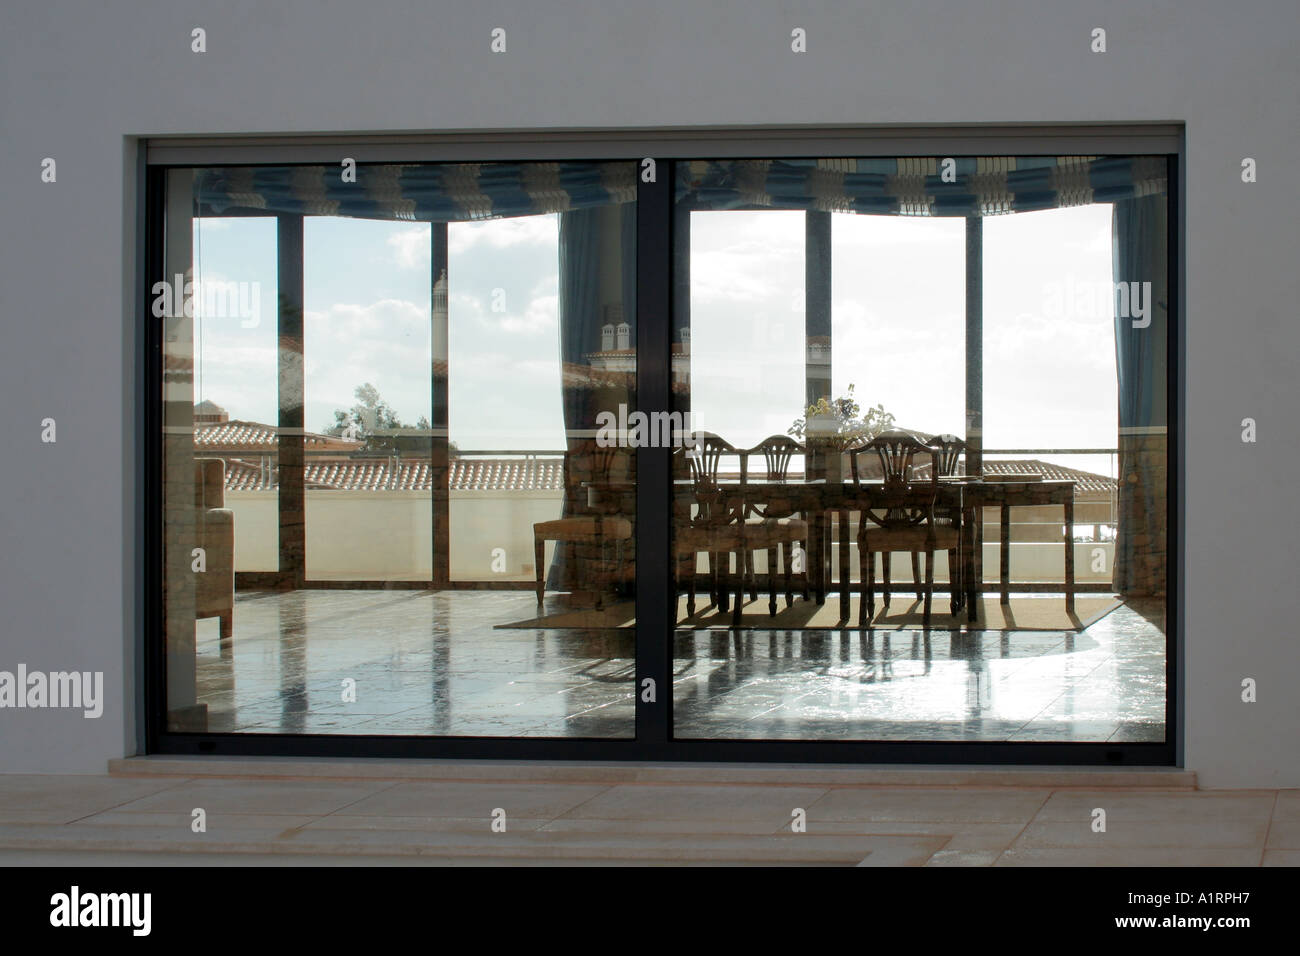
[
  {"x": 771, "y": 522},
  {"x": 945, "y": 454},
  {"x": 708, "y": 521},
  {"x": 898, "y": 517},
  {"x": 596, "y": 526}
]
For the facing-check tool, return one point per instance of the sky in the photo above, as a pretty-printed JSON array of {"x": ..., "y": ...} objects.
[{"x": 898, "y": 322}]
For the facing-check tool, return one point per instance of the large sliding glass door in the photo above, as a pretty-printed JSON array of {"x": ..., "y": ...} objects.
[
  {"x": 936, "y": 354},
  {"x": 398, "y": 521},
  {"x": 731, "y": 458}
]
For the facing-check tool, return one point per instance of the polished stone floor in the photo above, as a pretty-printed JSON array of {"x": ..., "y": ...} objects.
[{"x": 435, "y": 663}]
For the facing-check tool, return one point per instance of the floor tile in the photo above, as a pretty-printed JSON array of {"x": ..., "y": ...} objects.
[
  {"x": 775, "y": 804},
  {"x": 261, "y": 796},
  {"x": 64, "y": 798},
  {"x": 869, "y": 805},
  {"x": 452, "y": 799}
]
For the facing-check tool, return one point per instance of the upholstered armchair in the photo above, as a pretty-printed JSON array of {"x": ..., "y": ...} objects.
[{"x": 214, "y": 588}]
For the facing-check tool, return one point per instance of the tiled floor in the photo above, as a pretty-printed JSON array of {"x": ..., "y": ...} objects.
[
  {"x": 124, "y": 820},
  {"x": 1106, "y": 683},
  {"x": 434, "y": 663}
]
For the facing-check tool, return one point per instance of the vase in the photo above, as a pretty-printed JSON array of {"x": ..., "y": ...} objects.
[
  {"x": 826, "y": 463},
  {"x": 834, "y": 466}
]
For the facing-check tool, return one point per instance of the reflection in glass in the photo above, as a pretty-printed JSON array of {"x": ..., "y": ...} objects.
[
  {"x": 385, "y": 508},
  {"x": 960, "y": 444}
]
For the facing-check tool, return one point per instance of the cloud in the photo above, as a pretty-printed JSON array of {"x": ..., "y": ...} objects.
[
  {"x": 385, "y": 343},
  {"x": 540, "y": 314},
  {"x": 411, "y": 247},
  {"x": 503, "y": 233}
]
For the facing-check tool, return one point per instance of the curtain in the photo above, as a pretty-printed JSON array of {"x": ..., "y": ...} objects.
[
  {"x": 1139, "y": 250},
  {"x": 580, "y": 324},
  {"x": 417, "y": 192},
  {"x": 627, "y": 240},
  {"x": 920, "y": 186}
]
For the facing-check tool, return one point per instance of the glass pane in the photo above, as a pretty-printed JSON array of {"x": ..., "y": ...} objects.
[
  {"x": 393, "y": 468},
  {"x": 746, "y": 336},
  {"x": 899, "y": 317},
  {"x": 1049, "y": 387},
  {"x": 237, "y": 402},
  {"x": 367, "y": 400},
  {"x": 844, "y": 579},
  {"x": 509, "y": 443}
]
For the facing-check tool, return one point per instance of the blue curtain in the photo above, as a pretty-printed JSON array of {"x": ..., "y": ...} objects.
[
  {"x": 628, "y": 247},
  {"x": 580, "y": 322},
  {"x": 417, "y": 192},
  {"x": 924, "y": 186},
  {"x": 1139, "y": 251}
]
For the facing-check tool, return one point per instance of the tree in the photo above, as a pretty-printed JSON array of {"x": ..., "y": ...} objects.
[
  {"x": 369, "y": 415},
  {"x": 375, "y": 422}
]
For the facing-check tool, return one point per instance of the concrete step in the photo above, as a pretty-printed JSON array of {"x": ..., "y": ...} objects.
[
  {"x": 610, "y": 773},
  {"x": 155, "y": 846}
]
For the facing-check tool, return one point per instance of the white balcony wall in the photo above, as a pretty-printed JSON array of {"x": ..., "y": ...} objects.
[
  {"x": 378, "y": 535},
  {"x": 387, "y": 535}
]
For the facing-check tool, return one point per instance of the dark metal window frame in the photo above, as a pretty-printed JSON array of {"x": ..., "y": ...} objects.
[{"x": 655, "y": 297}]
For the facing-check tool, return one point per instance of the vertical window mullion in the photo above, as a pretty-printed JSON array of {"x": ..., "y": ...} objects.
[{"x": 656, "y": 604}]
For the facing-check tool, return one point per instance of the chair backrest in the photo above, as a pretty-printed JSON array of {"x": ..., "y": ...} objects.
[
  {"x": 900, "y": 502},
  {"x": 703, "y": 454},
  {"x": 895, "y": 451},
  {"x": 777, "y": 452},
  {"x": 945, "y": 452}
]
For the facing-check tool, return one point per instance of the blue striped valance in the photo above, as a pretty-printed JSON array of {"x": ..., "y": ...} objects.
[
  {"x": 426, "y": 192},
  {"x": 915, "y": 186},
  {"x": 455, "y": 192}
]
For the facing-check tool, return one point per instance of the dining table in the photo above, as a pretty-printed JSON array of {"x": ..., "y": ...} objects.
[{"x": 825, "y": 501}]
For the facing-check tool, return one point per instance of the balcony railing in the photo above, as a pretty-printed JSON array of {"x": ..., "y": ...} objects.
[{"x": 505, "y": 517}]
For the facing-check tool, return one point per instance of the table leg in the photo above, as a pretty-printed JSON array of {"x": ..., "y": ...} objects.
[
  {"x": 823, "y": 556},
  {"x": 1004, "y": 559},
  {"x": 815, "y": 559},
  {"x": 844, "y": 564},
  {"x": 1069, "y": 555},
  {"x": 827, "y": 557},
  {"x": 971, "y": 580},
  {"x": 956, "y": 578}
]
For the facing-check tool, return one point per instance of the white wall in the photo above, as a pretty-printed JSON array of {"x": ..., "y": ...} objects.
[
  {"x": 80, "y": 79},
  {"x": 378, "y": 535},
  {"x": 387, "y": 535}
]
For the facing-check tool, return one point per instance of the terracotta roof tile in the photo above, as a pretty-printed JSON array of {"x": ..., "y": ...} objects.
[
  {"x": 1084, "y": 481},
  {"x": 256, "y": 437},
  {"x": 391, "y": 474}
]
